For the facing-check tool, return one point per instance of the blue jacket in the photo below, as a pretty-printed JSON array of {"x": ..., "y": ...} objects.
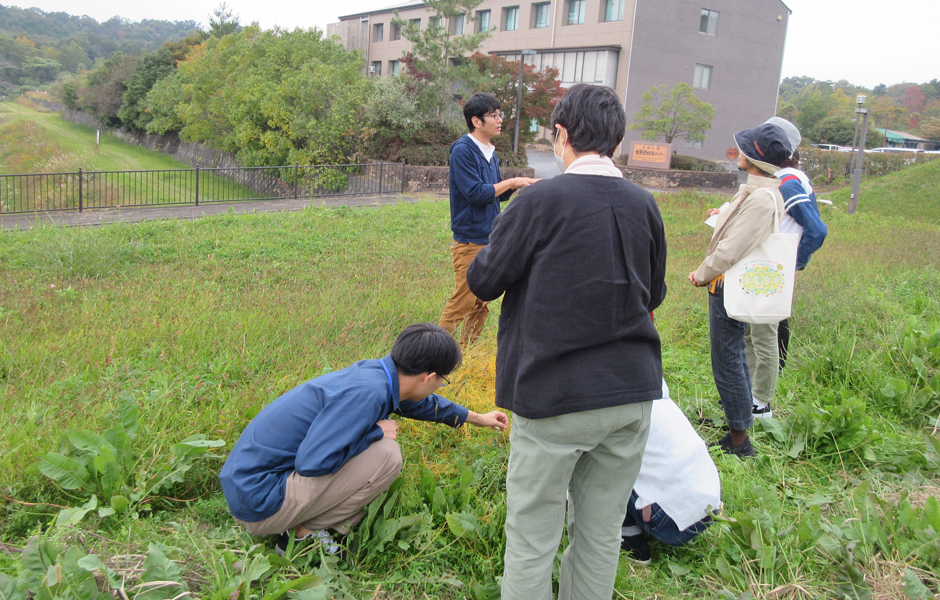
[
  {"x": 314, "y": 429},
  {"x": 473, "y": 202},
  {"x": 804, "y": 210}
]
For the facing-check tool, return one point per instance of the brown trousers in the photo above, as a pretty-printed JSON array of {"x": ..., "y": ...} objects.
[
  {"x": 463, "y": 308},
  {"x": 335, "y": 501}
]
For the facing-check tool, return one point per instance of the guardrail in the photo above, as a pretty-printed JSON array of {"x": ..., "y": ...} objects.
[{"x": 45, "y": 192}]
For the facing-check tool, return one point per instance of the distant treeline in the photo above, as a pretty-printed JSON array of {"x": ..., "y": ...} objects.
[
  {"x": 37, "y": 47},
  {"x": 825, "y": 110}
]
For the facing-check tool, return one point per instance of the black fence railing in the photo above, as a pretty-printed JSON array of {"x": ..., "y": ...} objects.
[{"x": 40, "y": 192}]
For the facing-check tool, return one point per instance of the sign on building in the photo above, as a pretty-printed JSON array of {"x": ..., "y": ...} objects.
[{"x": 650, "y": 155}]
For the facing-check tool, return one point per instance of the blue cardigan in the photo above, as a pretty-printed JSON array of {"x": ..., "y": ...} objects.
[
  {"x": 473, "y": 202},
  {"x": 314, "y": 429}
]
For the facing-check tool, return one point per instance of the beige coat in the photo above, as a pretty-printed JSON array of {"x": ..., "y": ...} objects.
[{"x": 743, "y": 226}]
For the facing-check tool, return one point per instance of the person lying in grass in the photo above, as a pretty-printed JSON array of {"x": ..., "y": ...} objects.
[{"x": 312, "y": 459}]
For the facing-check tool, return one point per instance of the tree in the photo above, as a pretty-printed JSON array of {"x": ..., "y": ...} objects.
[
  {"x": 437, "y": 57},
  {"x": 103, "y": 90},
  {"x": 672, "y": 114},
  {"x": 222, "y": 22},
  {"x": 930, "y": 127},
  {"x": 150, "y": 69},
  {"x": 914, "y": 99},
  {"x": 273, "y": 97},
  {"x": 500, "y": 77}
]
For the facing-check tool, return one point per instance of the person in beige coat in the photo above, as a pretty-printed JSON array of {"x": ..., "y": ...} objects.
[{"x": 741, "y": 227}]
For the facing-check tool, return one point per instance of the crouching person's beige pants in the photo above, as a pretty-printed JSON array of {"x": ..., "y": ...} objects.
[{"x": 335, "y": 501}]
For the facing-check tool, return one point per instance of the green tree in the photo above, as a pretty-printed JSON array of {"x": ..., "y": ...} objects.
[
  {"x": 150, "y": 69},
  {"x": 273, "y": 97},
  {"x": 104, "y": 87},
  {"x": 222, "y": 22},
  {"x": 437, "y": 57},
  {"x": 672, "y": 114}
]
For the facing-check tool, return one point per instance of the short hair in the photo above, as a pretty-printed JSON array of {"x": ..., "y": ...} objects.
[
  {"x": 425, "y": 348},
  {"x": 478, "y": 105},
  {"x": 793, "y": 162},
  {"x": 593, "y": 117}
]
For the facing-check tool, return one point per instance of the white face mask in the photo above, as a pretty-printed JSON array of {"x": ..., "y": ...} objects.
[{"x": 559, "y": 160}]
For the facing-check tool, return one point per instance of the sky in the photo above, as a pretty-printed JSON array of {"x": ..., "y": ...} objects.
[{"x": 866, "y": 42}]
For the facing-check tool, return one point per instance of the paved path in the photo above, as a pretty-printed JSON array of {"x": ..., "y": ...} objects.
[
  {"x": 542, "y": 162},
  {"x": 99, "y": 216}
]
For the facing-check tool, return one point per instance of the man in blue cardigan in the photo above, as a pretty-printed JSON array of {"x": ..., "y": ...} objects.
[
  {"x": 312, "y": 459},
  {"x": 476, "y": 189}
]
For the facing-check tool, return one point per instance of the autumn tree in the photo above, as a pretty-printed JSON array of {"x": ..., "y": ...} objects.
[
  {"x": 438, "y": 53},
  {"x": 541, "y": 90},
  {"x": 672, "y": 114}
]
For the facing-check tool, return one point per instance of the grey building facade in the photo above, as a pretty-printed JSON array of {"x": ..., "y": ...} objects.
[{"x": 730, "y": 51}]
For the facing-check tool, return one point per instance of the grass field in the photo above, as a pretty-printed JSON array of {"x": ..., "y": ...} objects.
[{"x": 200, "y": 324}]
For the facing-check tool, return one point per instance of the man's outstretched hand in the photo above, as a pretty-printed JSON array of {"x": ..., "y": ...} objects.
[{"x": 495, "y": 419}]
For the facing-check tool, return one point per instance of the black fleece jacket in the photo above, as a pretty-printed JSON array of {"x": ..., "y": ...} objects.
[{"x": 582, "y": 262}]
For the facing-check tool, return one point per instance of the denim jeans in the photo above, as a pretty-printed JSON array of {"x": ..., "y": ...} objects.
[
  {"x": 729, "y": 364},
  {"x": 661, "y": 526}
]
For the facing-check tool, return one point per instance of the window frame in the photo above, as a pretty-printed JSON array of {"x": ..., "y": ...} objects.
[
  {"x": 708, "y": 22},
  {"x": 506, "y": 22},
  {"x": 538, "y": 6},
  {"x": 462, "y": 21},
  {"x": 378, "y": 32},
  {"x": 488, "y": 15},
  {"x": 702, "y": 72},
  {"x": 415, "y": 22},
  {"x": 607, "y": 12},
  {"x": 581, "y": 6},
  {"x": 394, "y": 68},
  {"x": 396, "y": 32}
]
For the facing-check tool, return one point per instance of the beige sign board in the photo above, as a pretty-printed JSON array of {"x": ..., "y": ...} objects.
[{"x": 650, "y": 155}]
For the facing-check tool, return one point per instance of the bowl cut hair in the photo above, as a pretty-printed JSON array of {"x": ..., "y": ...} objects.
[
  {"x": 593, "y": 117},
  {"x": 478, "y": 105},
  {"x": 426, "y": 348}
]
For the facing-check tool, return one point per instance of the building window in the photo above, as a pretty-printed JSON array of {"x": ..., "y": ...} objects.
[
  {"x": 396, "y": 32},
  {"x": 483, "y": 20},
  {"x": 613, "y": 10},
  {"x": 511, "y": 15},
  {"x": 393, "y": 67},
  {"x": 576, "y": 12},
  {"x": 457, "y": 24},
  {"x": 435, "y": 22},
  {"x": 574, "y": 67},
  {"x": 541, "y": 12},
  {"x": 709, "y": 23},
  {"x": 703, "y": 77},
  {"x": 376, "y": 68},
  {"x": 416, "y": 23},
  {"x": 378, "y": 32},
  {"x": 690, "y": 144}
]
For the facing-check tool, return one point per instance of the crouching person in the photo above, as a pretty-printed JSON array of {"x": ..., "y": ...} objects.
[
  {"x": 677, "y": 488},
  {"x": 310, "y": 461}
]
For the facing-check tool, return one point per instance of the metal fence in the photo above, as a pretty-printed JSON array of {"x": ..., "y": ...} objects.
[{"x": 40, "y": 192}]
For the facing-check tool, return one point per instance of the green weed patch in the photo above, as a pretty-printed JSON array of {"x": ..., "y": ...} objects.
[{"x": 203, "y": 323}]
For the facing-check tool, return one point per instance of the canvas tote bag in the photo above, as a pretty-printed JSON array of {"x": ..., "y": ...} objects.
[{"x": 759, "y": 287}]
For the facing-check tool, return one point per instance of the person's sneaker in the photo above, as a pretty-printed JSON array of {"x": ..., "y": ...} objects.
[
  {"x": 745, "y": 449},
  {"x": 761, "y": 413},
  {"x": 636, "y": 548},
  {"x": 323, "y": 536}
]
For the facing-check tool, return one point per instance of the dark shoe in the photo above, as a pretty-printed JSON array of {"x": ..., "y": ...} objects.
[
  {"x": 761, "y": 413},
  {"x": 283, "y": 540},
  {"x": 636, "y": 548},
  {"x": 745, "y": 449}
]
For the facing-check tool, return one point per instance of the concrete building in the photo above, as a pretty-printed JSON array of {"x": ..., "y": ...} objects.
[{"x": 730, "y": 51}]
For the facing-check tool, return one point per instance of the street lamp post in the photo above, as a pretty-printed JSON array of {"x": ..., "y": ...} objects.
[
  {"x": 515, "y": 136},
  {"x": 860, "y": 100},
  {"x": 857, "y": 174}
]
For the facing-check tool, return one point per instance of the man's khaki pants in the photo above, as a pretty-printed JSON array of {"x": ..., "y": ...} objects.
[
  {"x": 463, "y": 307},
  {"x": 335, "y": 501},
  {"x": 588, "y": 462}
]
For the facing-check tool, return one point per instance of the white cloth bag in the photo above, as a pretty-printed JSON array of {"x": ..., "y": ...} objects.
[{"x": 759, "y": 287}]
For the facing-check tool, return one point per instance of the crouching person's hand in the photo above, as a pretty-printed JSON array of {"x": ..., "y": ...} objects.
[
  {"x": 389, "y": 428},
  {"x": 495, "y": 419}
]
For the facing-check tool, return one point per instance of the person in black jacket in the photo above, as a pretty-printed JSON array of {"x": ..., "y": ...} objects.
[{"x": 581, "y": 259}]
